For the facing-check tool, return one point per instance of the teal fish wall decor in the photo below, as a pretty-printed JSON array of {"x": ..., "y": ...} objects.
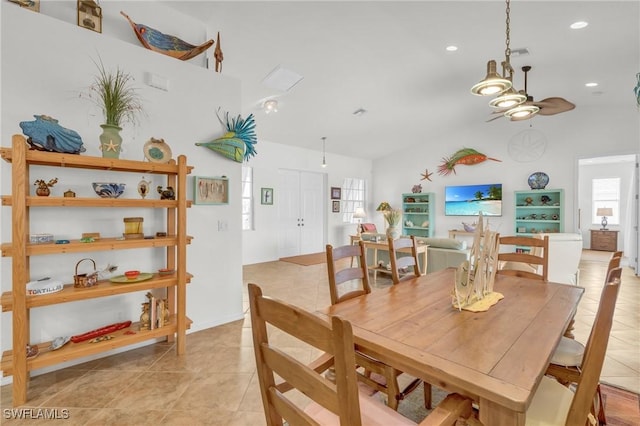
[{"x": 239, "y": 140}]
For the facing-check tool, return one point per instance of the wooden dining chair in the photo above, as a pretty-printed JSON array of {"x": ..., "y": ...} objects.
[
  {"x": 566, "y": 361},
  {"x": 533, "y": 262},
  {"x": 312, "y": 399},
  {"x": 346, "y": 283},
  {"x": 403, "y": 267},
  {"x": 557, "y": 404}
]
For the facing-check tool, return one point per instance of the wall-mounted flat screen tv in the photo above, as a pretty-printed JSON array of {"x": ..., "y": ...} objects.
[{"x": 470, "y": 200}]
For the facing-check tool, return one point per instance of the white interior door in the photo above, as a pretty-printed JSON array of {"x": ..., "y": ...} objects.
[{"x": 300, "y": 213}]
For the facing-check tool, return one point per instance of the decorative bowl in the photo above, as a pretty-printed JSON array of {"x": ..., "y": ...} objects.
[
  {"x": 108, "y": 189},
  {"x": 132, "y": 275},
  {"x": 538, "y": 180},
  {"x": 166, "y": 271}
]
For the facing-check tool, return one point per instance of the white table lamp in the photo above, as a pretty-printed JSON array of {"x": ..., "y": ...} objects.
[
  {"x": 359, "y": 214},
  {"x": 604, "y": 212}
]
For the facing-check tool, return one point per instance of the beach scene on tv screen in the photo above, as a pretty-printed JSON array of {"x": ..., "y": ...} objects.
[{"x": 470, "y": 200}]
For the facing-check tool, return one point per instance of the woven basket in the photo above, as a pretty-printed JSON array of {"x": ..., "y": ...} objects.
[{"x": 88, "y": 279}]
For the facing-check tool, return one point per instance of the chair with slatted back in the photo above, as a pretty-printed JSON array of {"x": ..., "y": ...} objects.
[
  {"x": 566, "y": 361},
  {"x": 557, "y": 404},
  {"x": 311, "y": 398},
  {"x": 403, "y": 267},
  {"x": 346, "y": 282},
  {"x": 530, "y": 260}
]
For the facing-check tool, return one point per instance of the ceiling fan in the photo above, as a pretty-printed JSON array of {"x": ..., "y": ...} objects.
[{"x": 547, "y": 106}]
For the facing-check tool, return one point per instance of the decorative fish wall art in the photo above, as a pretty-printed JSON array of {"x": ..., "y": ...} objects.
[
  {"x": 237, "y": 143},
  {"x": 166, "y": 44},
  {"x": 465, "y": 156}
]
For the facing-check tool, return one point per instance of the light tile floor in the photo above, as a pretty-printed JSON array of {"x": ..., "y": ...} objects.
[{"x": 215, "y": 382}]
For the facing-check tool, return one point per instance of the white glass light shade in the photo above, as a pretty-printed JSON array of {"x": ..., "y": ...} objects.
[
  {"x": 492, "y": 84},
  {"x": 508, "y": 99},
  {"x": 270, "y": 106},
  {"x": 522, "y": 112}
]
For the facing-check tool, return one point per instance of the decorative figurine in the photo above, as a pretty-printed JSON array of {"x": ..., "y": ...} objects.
[
  {"x": 166, "y": 44},
  {"x": 416, "y": 189},
  {"x": 45, "y": 134},
  {"x": 528, "y": 201},
  {"x": 217, "y": 53},
  {"x": 143, "y": 187},
  {"x": 545, "y": 199},
  {"x": 237, "y": 143},
  {"x": 69, "y": 194},
  {"x": 166, "y": 194},
  {"x": 465, "y": 156},
  {"x": 42, "y": 189},
  {"x": 145, "y": 320}
]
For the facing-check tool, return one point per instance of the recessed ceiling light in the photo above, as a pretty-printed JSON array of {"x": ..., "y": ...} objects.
[
  {"x": 451, "y": 48},
  {"x": 591, "y": 84},
  {"x": 578, "y": 25}
]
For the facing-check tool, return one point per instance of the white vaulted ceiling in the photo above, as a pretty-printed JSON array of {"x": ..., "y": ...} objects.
[{"x": 389, "y": 58}]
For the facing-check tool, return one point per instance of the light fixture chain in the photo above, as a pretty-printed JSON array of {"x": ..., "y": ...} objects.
[{"x": 507, "y": 51}]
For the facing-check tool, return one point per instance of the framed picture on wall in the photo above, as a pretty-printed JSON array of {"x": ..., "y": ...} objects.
[
  {"x": 211, "y": 190},
  {"x": 266, "y": 196},
  {"x": 336, "y": 193},
  {"x": 90, "y": 15},
  {"x": 335, "y": 207}
]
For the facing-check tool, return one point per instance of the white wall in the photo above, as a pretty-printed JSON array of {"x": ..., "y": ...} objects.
[
  {"x": 588, "y": 172},
  {"x": 576, "y": 134},
  {"x": 261, "y": 244},
  {"x": 46, "y": 62}
]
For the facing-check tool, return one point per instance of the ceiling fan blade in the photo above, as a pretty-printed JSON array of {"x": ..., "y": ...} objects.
[{"x": 555, "y": 105}]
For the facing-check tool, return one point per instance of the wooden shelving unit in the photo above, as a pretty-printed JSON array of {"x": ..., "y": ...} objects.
[
  {"x": 14, "y": 362},
  {"x": 418, "y": 214}
]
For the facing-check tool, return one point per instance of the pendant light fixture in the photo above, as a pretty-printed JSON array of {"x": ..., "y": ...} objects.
[
  {"x": 324, "y": 161},
  {"x": 527, "y": 109},
  {"x": 495, "y": 83}
]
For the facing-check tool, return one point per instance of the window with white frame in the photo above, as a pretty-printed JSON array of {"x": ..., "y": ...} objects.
[
  {"x": 605, "y": 193},
  {"x": 353, "y": 191},
  {"x": 247, "y": 198}
]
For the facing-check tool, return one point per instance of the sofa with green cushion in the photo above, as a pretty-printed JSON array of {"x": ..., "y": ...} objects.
[{"x": 442, "y": 252}]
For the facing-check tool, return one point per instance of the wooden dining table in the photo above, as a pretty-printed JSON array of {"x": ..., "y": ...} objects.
[{"x": 497, "y": 357}]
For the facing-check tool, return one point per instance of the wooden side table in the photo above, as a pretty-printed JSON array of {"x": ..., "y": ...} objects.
[{"x": 604, "y": 240}]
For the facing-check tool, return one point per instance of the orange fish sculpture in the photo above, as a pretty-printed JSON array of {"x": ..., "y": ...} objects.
[
  {"x": 466, "y": 156},
  {"x": 166, "y": 44}
]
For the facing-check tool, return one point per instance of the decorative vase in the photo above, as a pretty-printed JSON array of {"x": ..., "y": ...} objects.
[
  {"x": 393, "y": 232},
  {"x": 43, "y": 191},
  {"x": 110, "y": 141}
]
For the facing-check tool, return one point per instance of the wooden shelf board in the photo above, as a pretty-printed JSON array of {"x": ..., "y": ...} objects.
[
  {"x": 46, "y": 357},
  {"x": 103, "y": 244},
  {"x": 43, "y": 158},
  {"x": 35, "y": 201},
  {"x": 104, "y": 288}
]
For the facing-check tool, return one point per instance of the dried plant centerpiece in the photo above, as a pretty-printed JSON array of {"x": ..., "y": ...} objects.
[
  {"x": 120, "y": 102},
  {"x": 392, "y": 217}
]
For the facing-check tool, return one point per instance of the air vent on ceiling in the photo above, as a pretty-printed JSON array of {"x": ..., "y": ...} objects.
[
  {"x": 520, "y": 52},
  {"x": 281, "y": 79}
]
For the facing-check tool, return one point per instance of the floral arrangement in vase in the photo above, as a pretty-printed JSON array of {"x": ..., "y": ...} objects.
[
  {"x": 120, "y": 103},
  {"x": 392, "y": 217}
]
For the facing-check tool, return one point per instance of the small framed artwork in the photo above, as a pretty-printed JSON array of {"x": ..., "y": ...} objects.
[
  {"x": 335, "y": 207},
  {"x": 336, "y": 193},
  {"x": 90, "y": 15},
  {"x": 211, "y": 190},
  {"x": 266, "y": 196}
]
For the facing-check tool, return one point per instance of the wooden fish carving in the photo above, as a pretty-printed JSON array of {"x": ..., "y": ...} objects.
[{"x": 166, "y": 44}]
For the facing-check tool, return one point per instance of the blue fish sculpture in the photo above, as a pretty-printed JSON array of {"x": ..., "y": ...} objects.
[
  {"x": 45, "y": 134},
  {"x": 237, "y": 143},
  {"x": 166, "y": 44}
]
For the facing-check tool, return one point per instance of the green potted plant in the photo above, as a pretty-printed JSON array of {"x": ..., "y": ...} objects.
[{"x": 120, "y": 102}]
